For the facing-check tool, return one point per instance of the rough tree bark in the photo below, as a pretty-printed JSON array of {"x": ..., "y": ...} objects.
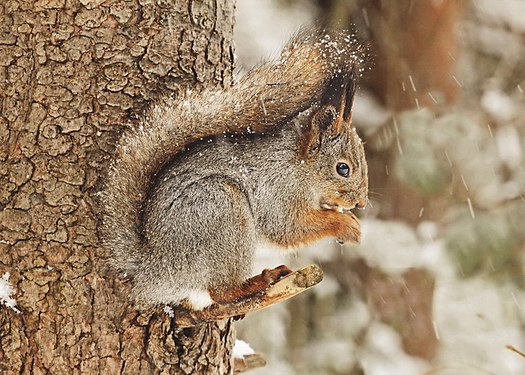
[{"x": 72, "y": 74}]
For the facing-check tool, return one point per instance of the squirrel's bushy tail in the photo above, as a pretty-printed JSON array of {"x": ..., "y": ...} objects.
[{"x": 262, "y": 100}]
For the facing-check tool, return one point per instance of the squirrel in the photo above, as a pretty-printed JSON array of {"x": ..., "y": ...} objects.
[{"x": 210, "y": 176}]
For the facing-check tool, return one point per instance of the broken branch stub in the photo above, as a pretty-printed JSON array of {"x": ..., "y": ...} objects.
[{"x": 248, "y": 362}]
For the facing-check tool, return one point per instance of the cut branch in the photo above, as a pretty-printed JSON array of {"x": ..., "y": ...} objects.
[
  {"x": 284, "y": 288},
  {"x": 248, "y": 362}
]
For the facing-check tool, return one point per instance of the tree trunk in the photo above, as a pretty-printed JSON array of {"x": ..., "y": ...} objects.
[
  {"x": 73, "y": 75},
  {"x": 416, "y": 44}
]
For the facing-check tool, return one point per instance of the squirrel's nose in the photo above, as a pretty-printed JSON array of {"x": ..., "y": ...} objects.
[{"x": 362, "y": 203}]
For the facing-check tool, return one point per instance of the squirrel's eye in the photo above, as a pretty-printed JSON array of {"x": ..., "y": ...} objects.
[{"x": 343, "y": 169}]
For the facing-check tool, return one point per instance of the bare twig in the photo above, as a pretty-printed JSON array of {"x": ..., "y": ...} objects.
[
  {"x": 286, "y": 287},
  {"x": 513, "y": 349}
]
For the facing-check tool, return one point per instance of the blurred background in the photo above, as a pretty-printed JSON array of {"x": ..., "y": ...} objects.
[{"x": 437, "y": 284}]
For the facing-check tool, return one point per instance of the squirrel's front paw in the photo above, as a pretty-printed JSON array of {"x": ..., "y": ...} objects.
[
  {"x": 352, "y": 231},
  {"x": 274, "y": 274}
]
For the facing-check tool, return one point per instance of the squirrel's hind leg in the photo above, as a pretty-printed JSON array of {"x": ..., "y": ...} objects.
[{"x": 223, "y": 237}]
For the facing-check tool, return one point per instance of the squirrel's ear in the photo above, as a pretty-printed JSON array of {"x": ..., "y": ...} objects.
[
  {"x": 316, "y": 128},
  {"x": 333, "y": 112}
]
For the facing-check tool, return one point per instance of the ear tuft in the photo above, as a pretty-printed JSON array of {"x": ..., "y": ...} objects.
[{"x": 339, "y": 94}]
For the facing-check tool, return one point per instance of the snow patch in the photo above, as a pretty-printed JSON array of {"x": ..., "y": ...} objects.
[
  {"x": 169, "y": 311},
  {"x": 509, "y": 146},
  {"x": 242, "y": 348},
  {"x": 6, "y": 290},
  {"x": 499, "y": 105}
]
